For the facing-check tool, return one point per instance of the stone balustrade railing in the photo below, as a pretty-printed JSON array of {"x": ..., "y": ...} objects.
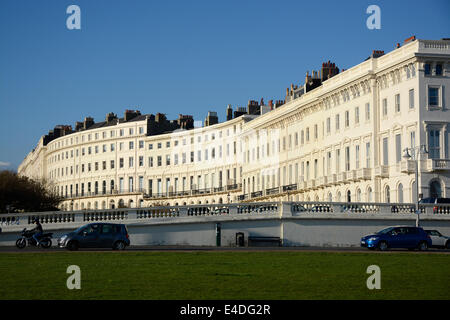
[{"x": 264, "y": 209}]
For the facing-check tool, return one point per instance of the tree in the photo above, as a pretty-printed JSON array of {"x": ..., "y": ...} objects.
[{"x": 19, "y": 193}]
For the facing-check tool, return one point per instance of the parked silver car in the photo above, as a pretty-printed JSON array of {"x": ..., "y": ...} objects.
[{"x": 438, "y": 240}]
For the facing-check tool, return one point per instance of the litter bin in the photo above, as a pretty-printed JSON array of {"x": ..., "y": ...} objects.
[{"x": 240, "y": 241}]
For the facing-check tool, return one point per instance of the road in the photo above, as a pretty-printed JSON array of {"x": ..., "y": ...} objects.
[{"x": 11, "y": 249}]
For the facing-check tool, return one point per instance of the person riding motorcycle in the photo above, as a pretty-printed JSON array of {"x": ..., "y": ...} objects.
[{"x": 38, "y": 231}]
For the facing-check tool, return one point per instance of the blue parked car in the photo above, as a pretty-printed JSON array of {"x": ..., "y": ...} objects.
[
  {"x": 96, "y": 235},
  {"x": 398, "y": 237}
]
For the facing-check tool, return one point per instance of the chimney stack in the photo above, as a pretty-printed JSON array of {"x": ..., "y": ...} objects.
[
  {"x": 229, "y": 112},
  {"x": 88, "y": 122},
  {"x": 211, "y": 119},
  {"x": 110, "y": 117}
]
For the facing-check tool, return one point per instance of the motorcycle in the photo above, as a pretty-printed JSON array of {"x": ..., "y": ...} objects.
[{"x": 45, "y": 240}]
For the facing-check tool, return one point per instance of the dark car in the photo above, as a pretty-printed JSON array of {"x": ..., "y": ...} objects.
[
  {"x": 398, "y": 237},
  {"x": 437, "y": 209},
  {"x": 96, "y": 235},
  {"x": 435, "y": 200}
]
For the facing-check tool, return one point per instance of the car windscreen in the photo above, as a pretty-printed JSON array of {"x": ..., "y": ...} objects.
[
  {"x": 384, "y": 231},
  {"x": 80, "y": 229},
  {"x": 428, "y": 200}
]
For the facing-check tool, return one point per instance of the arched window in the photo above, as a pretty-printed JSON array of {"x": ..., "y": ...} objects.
[
  {"x": 338, "y": 197},
  {"x": 435, "y": 189},
  {"x": 358, "y": 195},
  {"x": 349, "y": 196},
  {"x": 95, "y": 205},
  {"x": 369, "y": 194},
  {"x": 111, "y": 204},
  {"x": 121, "y": 203},
  {"x": 387, "y": 194},
  {"x": 330, "y": 197},
  {"x": 400, "y": 193}
]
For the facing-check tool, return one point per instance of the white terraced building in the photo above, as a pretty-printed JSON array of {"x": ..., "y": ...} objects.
[{"x": 339, "y": 137}]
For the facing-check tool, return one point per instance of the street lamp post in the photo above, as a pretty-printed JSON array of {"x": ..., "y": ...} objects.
[{"x": 416, "y": 151}]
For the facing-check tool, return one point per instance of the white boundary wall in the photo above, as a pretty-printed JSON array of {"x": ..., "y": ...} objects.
[{"x": 297, "y": 224}]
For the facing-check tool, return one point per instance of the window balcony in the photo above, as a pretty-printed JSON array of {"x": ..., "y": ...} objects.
[
  {"x": 256, "y": 194},
  {"x": 382, "y": 171},
  {"x": 332, "y": 179},
  {"x": 364, "y": 174},
  {"x": 322, "y": 181},
  {"x": 311, "y": 184},
  {"x": 351, "y": 176},
  {"x": 290, "y": 187},
  {"x": 302, "y": 184},
  {"x": 438, "y": 165},
  {"x": 270, "y": 191},
  {"x": 242, "y": 197},
  {"x": 407, "y": 166},
  {"x": 341, "y": 177}
]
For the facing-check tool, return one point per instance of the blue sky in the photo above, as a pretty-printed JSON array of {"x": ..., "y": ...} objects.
[{"x": 176, "y": 57}]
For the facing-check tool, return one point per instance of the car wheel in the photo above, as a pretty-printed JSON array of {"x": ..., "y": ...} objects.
[
  {"x": 383, "y": 246},
  {"x": 72, "y": 246},
  {"x": 119, "y": 245},
  {"x": 423, "y": 246},
  {"x": 447, "y": 244}
]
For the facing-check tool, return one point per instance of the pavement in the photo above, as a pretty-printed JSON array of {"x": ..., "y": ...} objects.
[{"x": 13, "y": 249}]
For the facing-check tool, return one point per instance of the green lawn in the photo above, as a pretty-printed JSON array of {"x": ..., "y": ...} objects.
[{"x": 224, "y": 275}]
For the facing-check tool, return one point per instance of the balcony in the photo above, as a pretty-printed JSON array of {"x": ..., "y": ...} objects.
[
  {"x": 322, "y": 181},
  {"x": 270, "y": 191},
  {"x": 311, "y": 184},
  {"x": 256, "y": 194},
  {"x": 407, "y": 166},
  {"x": 341, "y": 177},
  {"x": 332, "y": 179},
  {"x": 363, "y": 174},
  {"x": 193, "y": 192},
  {"x": 351, "y": 176},
  {"x": 234, "y": 186},
  {"x": 382, "y": 171},
  {"x": 290, "y": 187},
  {"x": 302, "y": 185},
  {"x": 438, "y": 165},
  {"x": 102, "y": 193}
]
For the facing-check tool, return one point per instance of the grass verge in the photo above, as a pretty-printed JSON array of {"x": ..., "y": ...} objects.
[{"x": 224, "y": 275}]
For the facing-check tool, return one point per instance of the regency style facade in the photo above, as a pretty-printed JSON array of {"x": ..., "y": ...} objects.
[{"x": 339, "y": 137}]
